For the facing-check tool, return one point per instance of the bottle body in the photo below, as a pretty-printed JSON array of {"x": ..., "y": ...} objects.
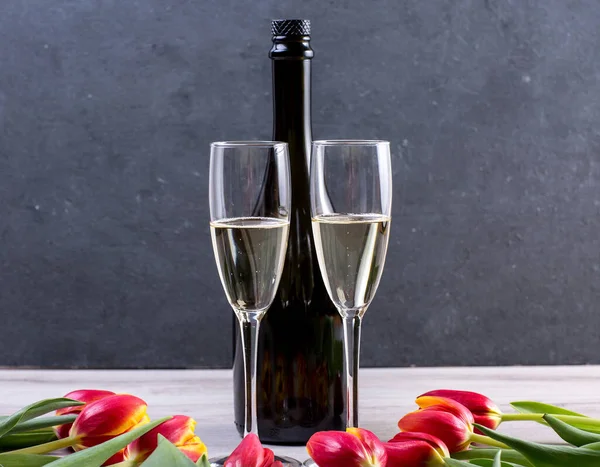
[{"x": 300, "y": 388}]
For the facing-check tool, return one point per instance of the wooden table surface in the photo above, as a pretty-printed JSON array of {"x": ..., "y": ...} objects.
[{"x": 386, "y": 394}]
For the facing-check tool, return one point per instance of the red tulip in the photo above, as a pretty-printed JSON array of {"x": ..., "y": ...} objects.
[
  {"x": 354, "y": 448},
  {"x": 179, "y": 430},
  {"x": 415, "y": 450},
  {"x": 82, "y": 395},
  {"x": 484, "y": 410},
  {"x": 250, "y": 453},
  {"x": 107, "y": 418},
  {"x": 443, "y": 418}
]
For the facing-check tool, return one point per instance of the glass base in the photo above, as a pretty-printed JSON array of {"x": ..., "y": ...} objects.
[
  {"x": 310, "y": 463},
  {"x": 286, "y": 461}
]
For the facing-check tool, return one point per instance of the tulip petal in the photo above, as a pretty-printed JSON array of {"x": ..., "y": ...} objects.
[
  {"x": 412, "y": 453},
  {"x": 375, "y": 448},
  {"x": 62, "y": 431},
  {"x": 108, "y": 417},
  {"x": 484, "y": 410},
  {"x": 83, "y": 395},
  {"x": 434, "y": 442},
  {"x": 116, "y": 458},
  {"x": 449, "y": 428},
  {"x": 268, "y": 458},
  {"x": 194, "y": 451},
  {"x": 447, "y": 405},
  {"x": 249, "y": 453},
  {"x": 491, "y": 422},
  {"x": 179, "y": 431},
  {"x": 475, "y": 402},
  {"x": 337, "y": 449}
]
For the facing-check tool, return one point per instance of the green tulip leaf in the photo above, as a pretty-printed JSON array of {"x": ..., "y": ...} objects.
[
  {"x": 547, "y": 455},
  {"x": 25, "y": 460},
  {"x": 569, "y": 433},
  {"x": 496, "y": 462},
  {"x": 456, "y": 463},
  {"x": 166, "y": 454},
  {"x": 490, "y": 463},
  {"x": 541, "y": 408},
  {"x": 203, "y": 461},
  {"x": 508, "y": 455},
  {"x": 43, "y": 422},
  {"x": 96, "y": 456},
  {"x": 12, "y": 441},
  {"x": 592, "y": 446},
  {"x": 33, "y": 411}
]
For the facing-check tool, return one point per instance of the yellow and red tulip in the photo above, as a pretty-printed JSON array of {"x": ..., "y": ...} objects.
[
  {"x": 354, "y": 448},
  {"x": 106, "y": 418},
  {"x": 99, "y": 421},
  {"x": 179, "y": 430},
  {"x": 86, "y": 396},
  {"x": 416, "y": 450},
  {"x": 443, "y": 418},
  {"x": 250, "y": 453},
  {"x": 484, "y": 410}
]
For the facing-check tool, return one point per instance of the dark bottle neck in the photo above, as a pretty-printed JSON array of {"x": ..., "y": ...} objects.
[
  {"x": 291, "y": 94},
  {"x": 291, "y": 48}
]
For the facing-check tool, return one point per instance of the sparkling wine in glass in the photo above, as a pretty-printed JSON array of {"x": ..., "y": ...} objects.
[
  {"x": 351, "y": 201},
  {"x": 249, "y": 192}
]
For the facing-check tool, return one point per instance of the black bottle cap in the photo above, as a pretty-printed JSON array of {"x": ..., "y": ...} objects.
[{"x": 290, "y": 27}]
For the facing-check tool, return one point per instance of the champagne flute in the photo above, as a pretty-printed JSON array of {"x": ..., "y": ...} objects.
[
  {"x": 351, "y": 201},
  {"x": 250, "y": 194}
]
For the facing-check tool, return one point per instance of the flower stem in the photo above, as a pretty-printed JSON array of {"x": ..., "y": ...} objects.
[
  {"x": 47, "y": 447},
  {"x": 475, "y": 438}
]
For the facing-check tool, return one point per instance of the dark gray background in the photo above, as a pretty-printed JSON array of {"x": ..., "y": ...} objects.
[{"x": 107, "y": 109}]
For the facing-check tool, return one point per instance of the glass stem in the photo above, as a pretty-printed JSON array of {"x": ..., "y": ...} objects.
[
  {"x": 352, "y": 352},
  {"x": 249, "y": 326}
]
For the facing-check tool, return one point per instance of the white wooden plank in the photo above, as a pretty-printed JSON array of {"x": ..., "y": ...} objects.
[{"x": 386, "y": 394}]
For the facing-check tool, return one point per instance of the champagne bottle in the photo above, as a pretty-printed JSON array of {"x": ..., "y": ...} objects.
[{"x": 300, "y": 382}]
